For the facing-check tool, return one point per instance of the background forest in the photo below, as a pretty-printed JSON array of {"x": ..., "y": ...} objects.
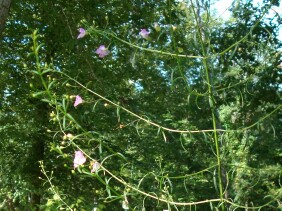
[{"x": 140, "y": 105}]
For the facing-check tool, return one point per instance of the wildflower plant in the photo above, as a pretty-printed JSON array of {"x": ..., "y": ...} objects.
[{"x": 136, "y": 154}]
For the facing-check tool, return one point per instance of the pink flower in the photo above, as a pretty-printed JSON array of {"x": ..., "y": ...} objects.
[
  {"x": 144, "y": 33},
  {"x": 82, "y": 33},
  {"x": 102, "y": 51},
  {"x": 78, "y": 100},
  {"x": 79, "y": 159},
  {"x": 95, "y": 167}
]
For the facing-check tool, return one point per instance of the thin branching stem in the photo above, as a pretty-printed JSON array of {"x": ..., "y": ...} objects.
[{"x": 202, "y": 38}]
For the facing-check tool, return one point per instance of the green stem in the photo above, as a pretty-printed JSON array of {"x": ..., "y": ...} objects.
[
  {"x": 211, "y": 101},
  {"x": 175, "y": 50},
  {"x": 106, "y": 34},
  {"x": 36, "y": 48}
]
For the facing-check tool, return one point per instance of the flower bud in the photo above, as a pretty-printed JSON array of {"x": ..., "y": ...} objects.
[
  {"x": 52, "y": 114},
  {"x": 157, "y": 27},
  {"x": 69, "y": 136}
]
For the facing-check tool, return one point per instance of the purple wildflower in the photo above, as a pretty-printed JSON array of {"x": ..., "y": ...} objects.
[
  {"x": 79, "y": 159},
  {"x": 144, "y": 33},
  {"x": 78, "y": 100},
  {"x": 82, "y": 33},
  {"x": 102, "y": 51}
]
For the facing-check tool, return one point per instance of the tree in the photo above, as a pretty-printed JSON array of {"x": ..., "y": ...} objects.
[
  {"x": 4, "y": 12},
  {"x": 255, "y": 64}
]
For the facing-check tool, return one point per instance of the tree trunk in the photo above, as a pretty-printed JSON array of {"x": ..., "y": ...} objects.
[{"x": 4, "y": 12}]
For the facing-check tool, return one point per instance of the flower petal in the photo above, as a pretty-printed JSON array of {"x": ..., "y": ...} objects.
[
  {"x": 102, "y": 51},
  {"x": 79, "y": 159},
  {"x": 78, "y": 100},
  {"x": 82, "y": 33},
  {"x": 144, "y": 33}
]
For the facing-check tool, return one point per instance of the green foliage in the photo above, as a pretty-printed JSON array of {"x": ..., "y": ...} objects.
[{"x": 186, "y": 119}]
